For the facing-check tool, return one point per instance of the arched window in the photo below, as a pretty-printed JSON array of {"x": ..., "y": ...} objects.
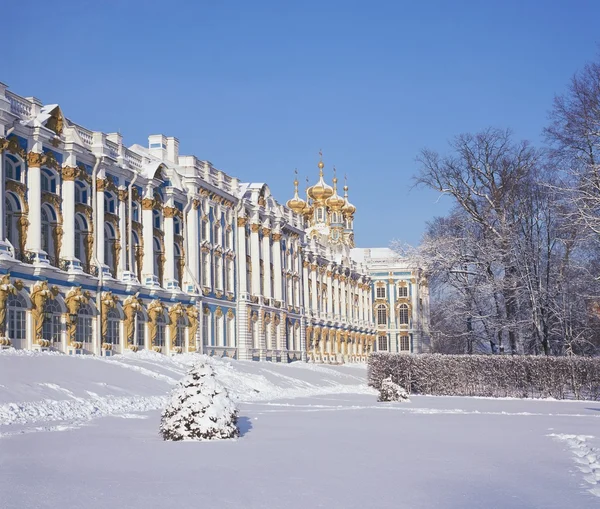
[
  {"x": 161, "y": 324},
  {"x": 16, "y": 327},
  {"x": 12, "y": 209},
  {"x": 382, "y": 343},
  {"x": 112, "y": 332},
  {"x": 81, "y": 228},
  {"x": 319, "y": 213},
  {"x": 403, "y": 291},
  {"x": 334, "y": 217},
  {"x": 140, "y": 330},
  {"x": 135, "y": 212},
  {"x": 404, "y": 344},
  {"x": 156, "y": 219},
  {"x": 51, "y": 326},
  {"x": 109, "y": 244},
  {"x": 382, "y": 318},
  {"x": 48, "y": 217},
  {"x": 403, "y": 314},
  {"x": 158, "y": 254},
  {"x": 177, "y": 226},
  {"x": 180, "y": 332},
  {"x": 206, "y": 329},
  {"x": 110, "y": 204},
  {"x": 12, "y": 168},
  {"x": 83, "y": 334},
  {"x": 49, "y": 180},
  {"x": 81, "y": 192},
  {"x": 230, "y": 333}
]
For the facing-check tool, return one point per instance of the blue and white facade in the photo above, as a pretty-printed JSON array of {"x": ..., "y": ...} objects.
[
  {"x": 400, "y": 297},
  {"x": 106, "y": 248}
]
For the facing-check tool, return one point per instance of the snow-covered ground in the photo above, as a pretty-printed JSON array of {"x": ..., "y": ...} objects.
[{"x": 83, "y": 432}]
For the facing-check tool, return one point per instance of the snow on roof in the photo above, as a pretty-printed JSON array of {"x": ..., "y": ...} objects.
[{"x": 360, "y": 254}]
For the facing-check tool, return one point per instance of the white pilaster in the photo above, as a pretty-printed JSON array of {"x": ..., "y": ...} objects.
[
  {"x": 34, "y": 199},
  {"x": 255, "y": 258},
  {"x": 266, "y": 250},
  {"x": 277, "y": 294},
  {"x": 148, "y": 276},
  {"x": 169, "y": 276}
]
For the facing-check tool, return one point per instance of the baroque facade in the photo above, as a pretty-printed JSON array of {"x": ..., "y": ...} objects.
[
  {"x": 105, "y": 248},
  {"x": 400, "y": 301}
]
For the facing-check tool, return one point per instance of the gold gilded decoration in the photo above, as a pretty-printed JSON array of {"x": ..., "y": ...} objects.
[
  {"x": 255, "y": 227},
  {"x": 22, "y": 227},
  {"x": 170, "y": 212},
  {"x": 108, "y": 301},
  {"x": 266, "y": 232},
  {"x": 122, "y": 194},
  {"x": 176, "y": 312},
  {"x": 19, "y": 189},
  {"x": 156, "y": 309},
  {"x": 34, "y": 159},
  {"x": 230, "y": 314},
  {"x": 57, "y": 235},
  {"x": 194, "y": 321},
  {"x": 74, "y": 300},
  {"x": 88, "y": 246},
  {"x": 3, "y": 145},
  {"x": 40, "y": 294},
  {"x": 132, "y": 305},
  {"x": 49, "y": 160},
  {"x": 6, "y": 289},
  {"x": 218, "y": 312},
  {"x": 196, "y": 203},
  {"x": 56, "y": 121},
  {"x": 147, "y": 204},
  {"x": 69, "y": 173}
]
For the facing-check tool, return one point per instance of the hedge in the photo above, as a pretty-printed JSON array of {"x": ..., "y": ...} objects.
[{"x": 520, "y": 376}]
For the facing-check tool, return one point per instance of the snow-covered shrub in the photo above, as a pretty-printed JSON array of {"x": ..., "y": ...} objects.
[
  {"x": 517, "y": 376},
  {"x": 200, "y": 409},
  {"x": 391, "y": 391}
]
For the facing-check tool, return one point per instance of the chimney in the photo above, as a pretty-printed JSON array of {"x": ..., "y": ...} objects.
[
  {"x": 157, "y": 144},
  {"x": 173, "y": 150}
]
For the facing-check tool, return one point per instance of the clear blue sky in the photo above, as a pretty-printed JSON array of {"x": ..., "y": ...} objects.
[{"x": 258, "y": 87}]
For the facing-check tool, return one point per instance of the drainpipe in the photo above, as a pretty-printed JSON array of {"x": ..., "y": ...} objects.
[
  {"x": 99, "y": 231},
  {"x": 189, "y": 273}
]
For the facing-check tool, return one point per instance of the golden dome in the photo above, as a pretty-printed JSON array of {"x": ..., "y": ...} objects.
[
  {"x": 320, "y": 191},
  {"x": 348, "y": 209},
  {"x": 335, "y": 202},
  {"x": 296, "y": 204}
]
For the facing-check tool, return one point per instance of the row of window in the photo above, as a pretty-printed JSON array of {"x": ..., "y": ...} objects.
[
  {"x": 402, "y": 343},
  {"x": 382, "y": 314},
  {"x": 381, "y": 292}
]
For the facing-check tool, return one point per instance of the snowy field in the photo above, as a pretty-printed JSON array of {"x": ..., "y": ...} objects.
[{"x": 83, "y": 433}]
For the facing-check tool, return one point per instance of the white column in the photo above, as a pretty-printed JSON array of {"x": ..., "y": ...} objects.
[
  {"x": 68, "y": 212},
  {"x": 255, "y": 258},
  {"x": 277, "y": 294},
  {"x": 313, "y": 276},
  {"x": 148, "y": 235},
  {"x": 34, "y": 200},
  {"x": 329, "y": 293},
  {"x": 336, "y": 296},
  {"x": 306, "y": 301},
  {"x": 123, "y": 233},
  {"x": 99, "y": 221},
  {"x": 343, "y": 304},
  {"x": 266, "y": 249},
  {"x": 193, "y": 240},
  {"x": 169, "y": 276},
  {"x": 241, "y": 256}
]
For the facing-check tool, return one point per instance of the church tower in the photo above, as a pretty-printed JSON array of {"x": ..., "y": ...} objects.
[{"x": 328, "y": 217}]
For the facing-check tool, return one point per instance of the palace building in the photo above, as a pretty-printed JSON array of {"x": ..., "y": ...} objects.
[{"x": 106, "y": 248}]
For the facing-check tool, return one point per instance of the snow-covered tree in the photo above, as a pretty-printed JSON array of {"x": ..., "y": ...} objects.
[
  {"x": 391, "y": 391},
  {"x": 200, "y": 409}
]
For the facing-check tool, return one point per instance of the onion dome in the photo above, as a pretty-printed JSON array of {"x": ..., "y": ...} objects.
[
  {"x": 320, "y": 191},
  {"x": 348, "y": 209},
  {"x": 335, "y": 202},
  {"x": 296, "y": 204}
]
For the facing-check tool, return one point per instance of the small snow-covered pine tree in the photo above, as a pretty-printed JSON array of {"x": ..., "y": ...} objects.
[
  {"x": 200, "y": 409},
  {"x": 391, "y": 391}
]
